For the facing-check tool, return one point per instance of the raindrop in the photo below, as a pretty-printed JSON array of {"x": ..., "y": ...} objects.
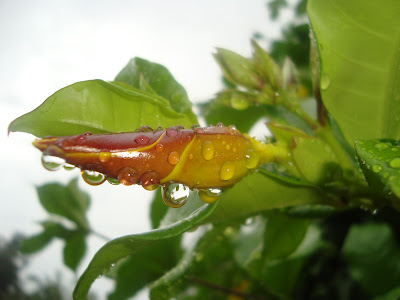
[
  {"x": 395, "y": 163},
  {"x": 104, "y": 156},
  {"x": 377, "y": 168},
  {"x": 68, "y": 167},
  {"x": 150, "y": 180},
  {"x": 199, "y": 130},
  {"x": 395, "y": 149},
  {"x": 127, "y": 176},
  {"x": 209, "y": 195},
  {"x": 220, "y": 124},
  {"x": 194, "y": 126},
  {"x": 52, "y": 163},
  {"x": 207, "y": 150},
  {"x": 113, "y": 181},
  {"x": 159, "y": 147},
  {"x": 175, "y": 194},
  {"x": 142, "y": 140},
  {"x": 172, "y": 132},
  {"x": 325, "y": 81},
  {"x": 88, "y": 133},
  {"x": 93, "y": 177},
  {"x": 381, "y": 146},
  {"x": 179, "y": 127},
  {"x": 145, "y": 128},
  {"x": 227, "y": 170},
  {"x": 239, "y": 103},
  {"x": 252, "y": 159},
  {"x": 191, "y": 156},
  {"x": 173, "y": 158}
]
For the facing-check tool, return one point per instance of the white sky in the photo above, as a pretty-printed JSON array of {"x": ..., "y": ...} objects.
[{"x": 46, "y": 45}]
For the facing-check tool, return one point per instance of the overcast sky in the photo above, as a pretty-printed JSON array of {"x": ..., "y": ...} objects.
[{"x": 46, "y": 45}]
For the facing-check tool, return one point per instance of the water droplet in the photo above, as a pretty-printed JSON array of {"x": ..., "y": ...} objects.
[
  {"x": 68, "y": 167},
  {"x": 104, "y": 156},
  {"x": 252, "y": 159},
  {"x": 386, "y": 175},
  {"x": 113, "y": 181},
  {"x": 239, "y": 103},
  {"x": 209, "y": 195},
  {"x": 179, "y": 127},
  {"x": 160, "y": 147},
  {"x": 194, "y": 126},
  {"x": 172, "y": 132},
  {"x": 199, "y": 130},
  {"x": 127, "y": 176},
  {"x": 150, "y": 180},
  {"x": 175, "y": 194},
  {"x": 145, "y": 128},
  {"x": 325, "y": 81},
  {"x": 142, "y": 140},
  {"x": 93, "y": 177},
  {"x": 88, "y": 133},
  {"x": 377, "y": 168},
  {"x": 381, "y": 146},
  {"x": 173, "y": 158},
  {"x": 232, "y": 128},
  {"x": 395, "y": 163},
  {"x": 191, "y": 156},
  {"x": 52, "y": 163},
  {"x": 227, "y": 170},
  {"x": 207, "y": 150},
  {"x": 234, "y": 150},
  {"x": 220, "y": 124},
  {"x": 395, "y": 149},
  {"x": 228, "y": 147}
]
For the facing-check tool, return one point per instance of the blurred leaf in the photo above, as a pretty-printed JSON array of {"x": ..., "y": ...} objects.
[
  {"x": 380, "y": 162},
  {"x": 139, "y": 72},
  {"x": 122, "y": 247},
  {"x": 360, "y": 89},
  {"x": 65, "y": 201},
  {"x": 38, "y": 242},
  {"x": 99, "y": 107},
  {"x": 74, "y": 249},
  {"x": 275, "y": 6},
  {"x": 373, "y": 256},
  {"x": 158, "y": 209},
  {"x": 392, "y": 294},
  {"x": 145, "y": 266}
]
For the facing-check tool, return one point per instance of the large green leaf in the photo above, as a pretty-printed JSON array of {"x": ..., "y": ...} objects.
[
  {"x": 359, "y": 48},
  {"x": 98, "y": 106},
  {"x": 122, "y": 247},
  {"x": 146, "y": 75}
]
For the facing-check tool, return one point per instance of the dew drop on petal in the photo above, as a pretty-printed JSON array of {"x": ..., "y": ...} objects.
[
  {"x": 209, "y": 195},
  {"x": 104, "y": 156},
  {"x": 93, "y": 177},
  {"x": 52, "y": 163},
  {"x": 173, "y": 158},
  {"x": 199, "y": 130},
  {"x": 145, "y": 128},
  {"x": 191, "y": 156},
  {"x": 207, "y": 150},
  {"x": 227, "y": 170},
  {"x": 127, "y": 176},
  {"x": 159, "y": 147},
  {"x": 150, "y": 180},
  {"x": 252, "y": 159},
  {"x": 142, "y": 140},
  {"x": 172, "y": 132},
  {"x": 175, "y": 194}
]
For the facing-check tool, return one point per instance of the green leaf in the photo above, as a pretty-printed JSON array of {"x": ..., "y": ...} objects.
[
  {"x": 158, "y": 209},
  {"x": 380, "y": 162},
  {"x": 258, "y": 192},
  {"x": 373, "y": 256},
  {"x": 65, "y": 201},
  {"x": 38, "y": 242},
  {"x": 358, "y": 44},
  {"x": 98, "y": 106},
  {"x": 144, "y": 266},
  {"x": 74, "y": 249},
  {"x": 146, "y": 75},
  {"x": 122, "y": 247}
]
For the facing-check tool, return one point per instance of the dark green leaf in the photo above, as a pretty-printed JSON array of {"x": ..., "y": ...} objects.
[
  {"x": 373, "y": 256},
  {"x": 119, "y": 248},
  {"x": 359, "y": 88},
  {"x": 145, "y": 266},
  {"x": 98, "y": 106},
  {"x": 65, "y": 201},
  {"x": 149, "y": 76},
  {"x": 158, "y": 209},
  {"x": 275, "y": 6},
  {"x": 74, "y": 249},
  {"x": 380, "y": 162}
]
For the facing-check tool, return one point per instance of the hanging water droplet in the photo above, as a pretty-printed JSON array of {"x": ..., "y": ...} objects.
[
  {"x": 142, "y": 140},
  {"x": 52, "y": 163},
  {"x": 150, "y": 180},
  {"x": 104, "y": 156},
  {"x": 209, "y": 195},
  {"x": 227, "y": 170},
  {"x": 395, "y": 163},
  {"x": 93, "y": 177},
  {"x": 127, "y": 176},
  {"x": 377, "y": 168},
  {"x": 68, "y": 167},
  {"x": 175, "y": 194},
  {"x": 172, "y": 132},
  {"x": 113, "y": 181},
  {"x": 173, "y": 158},
  {"x": 207, "y": 150},
  {"x": 239, "y": 103},
  {"x": 145, "y": 128},
  {"x": 252, "y": 159},
  {"x": 325, "y": 81}
]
